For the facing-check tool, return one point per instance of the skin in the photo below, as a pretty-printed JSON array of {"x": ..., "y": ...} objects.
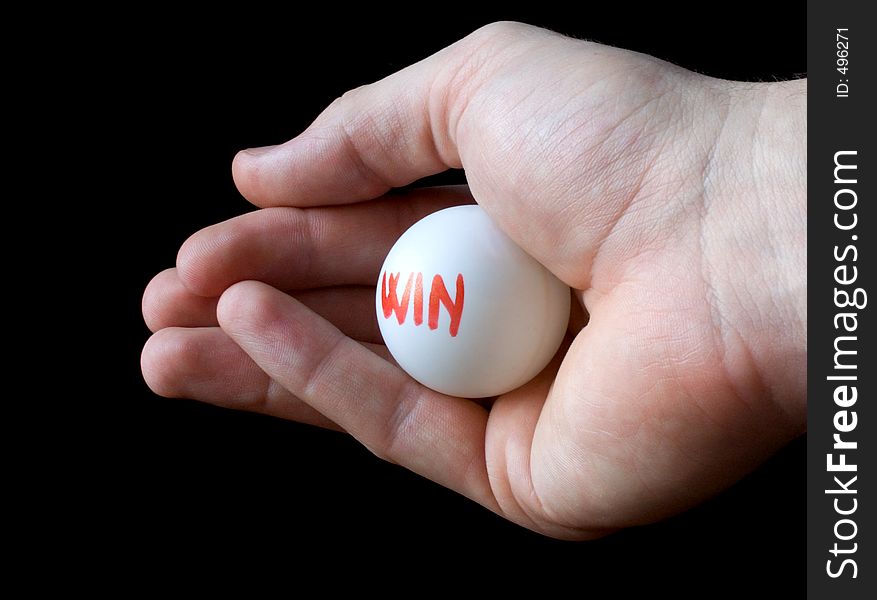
[{"x": 672, "y": 203}]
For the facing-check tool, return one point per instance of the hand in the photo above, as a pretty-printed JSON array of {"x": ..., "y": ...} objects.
[{"x": 672, "y": 203}]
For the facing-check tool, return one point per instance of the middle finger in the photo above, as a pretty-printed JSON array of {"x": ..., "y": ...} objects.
[
  {"x": 351, "y": 308},
  {"x": 291, "y": 248}
]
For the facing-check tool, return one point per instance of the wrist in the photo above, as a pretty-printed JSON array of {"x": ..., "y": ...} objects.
[{"x": 757, "y": 201}]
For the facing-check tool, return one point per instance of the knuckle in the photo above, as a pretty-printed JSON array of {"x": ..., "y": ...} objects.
[
  {"x": 304, "y": 229},
  {"x": 396, "y": 435},
  {"x": 346, "y": 106},
  {"x": 500, "y": 30}
]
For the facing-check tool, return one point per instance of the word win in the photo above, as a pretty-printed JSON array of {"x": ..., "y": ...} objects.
[{"x": 438, "y": 295}]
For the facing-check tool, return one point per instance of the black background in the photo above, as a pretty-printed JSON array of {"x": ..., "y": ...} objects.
[{"x": 240, "y": 493}]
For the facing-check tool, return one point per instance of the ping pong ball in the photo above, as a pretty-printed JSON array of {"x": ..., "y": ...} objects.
[{"x": 464, "y": 310}]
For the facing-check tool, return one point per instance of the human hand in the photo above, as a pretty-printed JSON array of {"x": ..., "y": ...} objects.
[{"x": 672, "y": 203}]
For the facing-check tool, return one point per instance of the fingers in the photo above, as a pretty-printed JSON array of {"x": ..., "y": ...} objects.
[
  {"x": 167, "y": 303},
  {"x": 290, "y": 248},
  {"x": 558, "y": 137},
  {"x": 437, "y": 436},
  {"x": 205, "y": 364},
  {"x": 384, "y": 135}
]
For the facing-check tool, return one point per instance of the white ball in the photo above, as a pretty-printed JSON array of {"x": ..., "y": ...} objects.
[{"x": 464, "y": 310}]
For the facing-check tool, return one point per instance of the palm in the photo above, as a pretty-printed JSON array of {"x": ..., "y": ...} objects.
[{"x": 635, "y": 417}]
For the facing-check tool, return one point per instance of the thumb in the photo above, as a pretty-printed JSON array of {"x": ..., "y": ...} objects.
[
  {"x": 540, "y": 122},
  {"x": 371, "y": 139}
]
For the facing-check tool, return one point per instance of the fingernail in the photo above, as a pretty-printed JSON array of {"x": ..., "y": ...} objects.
[{"x": 258, "y": 151}]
